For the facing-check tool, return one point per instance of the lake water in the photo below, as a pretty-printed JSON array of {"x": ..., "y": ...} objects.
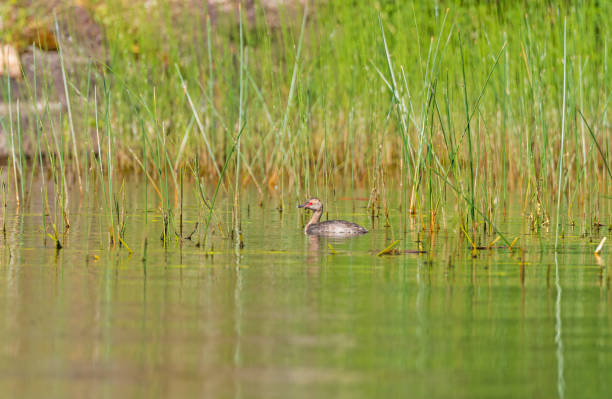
[{"x": 288, "y": 316}]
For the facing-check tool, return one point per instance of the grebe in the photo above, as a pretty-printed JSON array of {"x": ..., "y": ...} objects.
[{"x": 330, "y": 227}]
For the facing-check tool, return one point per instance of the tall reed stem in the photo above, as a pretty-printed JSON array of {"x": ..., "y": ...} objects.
[{"x": 559, "y": 182}]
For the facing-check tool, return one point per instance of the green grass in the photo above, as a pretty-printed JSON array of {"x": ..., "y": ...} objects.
[{"x": 457, "y": 105}]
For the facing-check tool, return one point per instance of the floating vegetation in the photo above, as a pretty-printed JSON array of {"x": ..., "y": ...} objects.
[
  {"x": 600, "y": 246},
  {"x": 390, "y": 249}
]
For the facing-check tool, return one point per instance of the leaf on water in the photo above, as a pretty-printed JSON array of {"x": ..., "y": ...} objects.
[
  {"x": 600, "y": 246},
  {"x": 125, "y": 245},
  {"x": 331, "y": 249},
  {"x": 493, "y": 242},
  {"x": 468, "y": 237},
  {"x": 389, "y": 249}
]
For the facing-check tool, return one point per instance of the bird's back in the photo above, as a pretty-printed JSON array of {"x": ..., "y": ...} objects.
[{"x": 336, "y": 227}]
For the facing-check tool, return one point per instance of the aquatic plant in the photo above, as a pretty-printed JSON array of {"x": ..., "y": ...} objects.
[{"x": 459, "y": 107}]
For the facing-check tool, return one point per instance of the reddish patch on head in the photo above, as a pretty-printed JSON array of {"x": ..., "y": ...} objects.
[{"x": 310, "y": 203}]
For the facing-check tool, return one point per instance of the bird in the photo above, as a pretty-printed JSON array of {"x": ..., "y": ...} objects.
[{"x": 330, "y": 227}]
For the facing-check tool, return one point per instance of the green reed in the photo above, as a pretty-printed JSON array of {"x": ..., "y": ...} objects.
[
  {"x": 75, "y": 151},
  {"x": 3, "y": 198},
  {"x": 561, "y": 154},
  {"x": 458, "y": 106}
]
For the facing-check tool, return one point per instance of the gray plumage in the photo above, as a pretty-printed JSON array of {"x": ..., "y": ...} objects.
[{"x": 330, "y": 227}]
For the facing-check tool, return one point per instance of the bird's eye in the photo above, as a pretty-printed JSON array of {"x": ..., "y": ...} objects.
[{"x": 310, "y": 203}]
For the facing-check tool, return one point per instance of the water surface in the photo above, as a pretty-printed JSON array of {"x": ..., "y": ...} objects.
[{"x": 290, "y": 316}]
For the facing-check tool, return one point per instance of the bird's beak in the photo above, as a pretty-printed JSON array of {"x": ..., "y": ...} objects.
[{"x": 303, "y": 205}]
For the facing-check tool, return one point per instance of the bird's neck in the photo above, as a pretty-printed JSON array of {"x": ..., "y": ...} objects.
[{"x": 316, "y": 216}]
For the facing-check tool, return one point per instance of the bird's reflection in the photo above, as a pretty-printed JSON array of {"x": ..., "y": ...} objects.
[
  {"x": 314, "y": 250},
  {"x": 318, "y": 246},
  {"x": 314, "y": 243}
]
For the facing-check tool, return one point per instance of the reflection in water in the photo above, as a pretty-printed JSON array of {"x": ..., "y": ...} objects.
[
  {"x": 318, "y": 245},
  {"x": 314, "y": 243},
  {"x": 238, "y": 309},
  {"x": 558, "y": 337},
  {"x": 238, "y": 329},
  {"x": 313, "y": 257},
  {"x": 283, "y": 317},
  {"x": 421, "y": 327}
]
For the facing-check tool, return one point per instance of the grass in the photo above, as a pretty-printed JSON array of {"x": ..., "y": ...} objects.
[
  {"x": 455, "y": 105},
  {"x": 558, "y": 221}
]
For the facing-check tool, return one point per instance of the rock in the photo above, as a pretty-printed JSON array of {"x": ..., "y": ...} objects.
[{"x": 9, "y": 61}]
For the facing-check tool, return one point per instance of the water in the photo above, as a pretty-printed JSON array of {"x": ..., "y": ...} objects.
[{"x": 285, "y": 317}]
